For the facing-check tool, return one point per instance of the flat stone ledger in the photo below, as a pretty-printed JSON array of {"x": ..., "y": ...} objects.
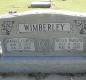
[
  {"x": 43, "y": 34},
  {"x": 42, "y": 4}
]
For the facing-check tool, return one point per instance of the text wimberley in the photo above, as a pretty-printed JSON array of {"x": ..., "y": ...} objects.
[{"x": 44, "y": 27}]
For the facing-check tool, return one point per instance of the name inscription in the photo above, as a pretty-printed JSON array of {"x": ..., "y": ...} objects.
[
  {"x": 20, "y": 44},
  {"x": 44, "y": 27},
  {"x": 25, "y": 44},
  {"x": 69, "y": 44}
]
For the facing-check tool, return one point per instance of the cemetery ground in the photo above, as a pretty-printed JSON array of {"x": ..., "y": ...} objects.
[{"x": 24, "y": 5}]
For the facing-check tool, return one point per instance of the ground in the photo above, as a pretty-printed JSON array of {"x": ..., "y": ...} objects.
[
  {"x": 48, "y": 77},
  {"x": 22, "y": 5}
]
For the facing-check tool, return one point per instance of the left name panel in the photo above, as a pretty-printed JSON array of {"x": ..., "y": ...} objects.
[{"x": 17, "y": 44}]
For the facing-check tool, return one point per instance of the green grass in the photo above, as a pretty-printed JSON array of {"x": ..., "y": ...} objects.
[
  {"x": 73, "y": 5},
  {"x": 22, "y": 5}
]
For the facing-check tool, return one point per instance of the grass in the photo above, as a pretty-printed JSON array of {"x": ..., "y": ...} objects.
[
  {"x": 22, "y": 5},
  {"x": 73, "y": 5}
]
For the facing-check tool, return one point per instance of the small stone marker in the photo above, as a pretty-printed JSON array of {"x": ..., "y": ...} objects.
[{"x": 45, "y": 4}]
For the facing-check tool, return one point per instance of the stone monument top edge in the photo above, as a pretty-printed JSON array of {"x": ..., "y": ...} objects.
[{"x": 49, "y": 11}]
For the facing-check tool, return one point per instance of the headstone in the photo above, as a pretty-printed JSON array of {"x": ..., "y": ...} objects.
[
  {"x": 45, "y": 40},
  {"x": 43, "y": 33},
  {"x": 43, "y": 4}
]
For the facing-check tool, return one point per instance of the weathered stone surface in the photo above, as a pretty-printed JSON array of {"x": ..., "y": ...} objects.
[
  {"x": 52, "y": 33},
  {"x": 55, "y": 39}
]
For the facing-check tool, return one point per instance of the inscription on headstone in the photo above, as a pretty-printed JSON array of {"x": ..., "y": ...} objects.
[
  {"x": 44, "y": 27},
  {"x": 16, "y": 44},
  {"x": 44, "y": 45},
  {"x": 69, "y": 44}
]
